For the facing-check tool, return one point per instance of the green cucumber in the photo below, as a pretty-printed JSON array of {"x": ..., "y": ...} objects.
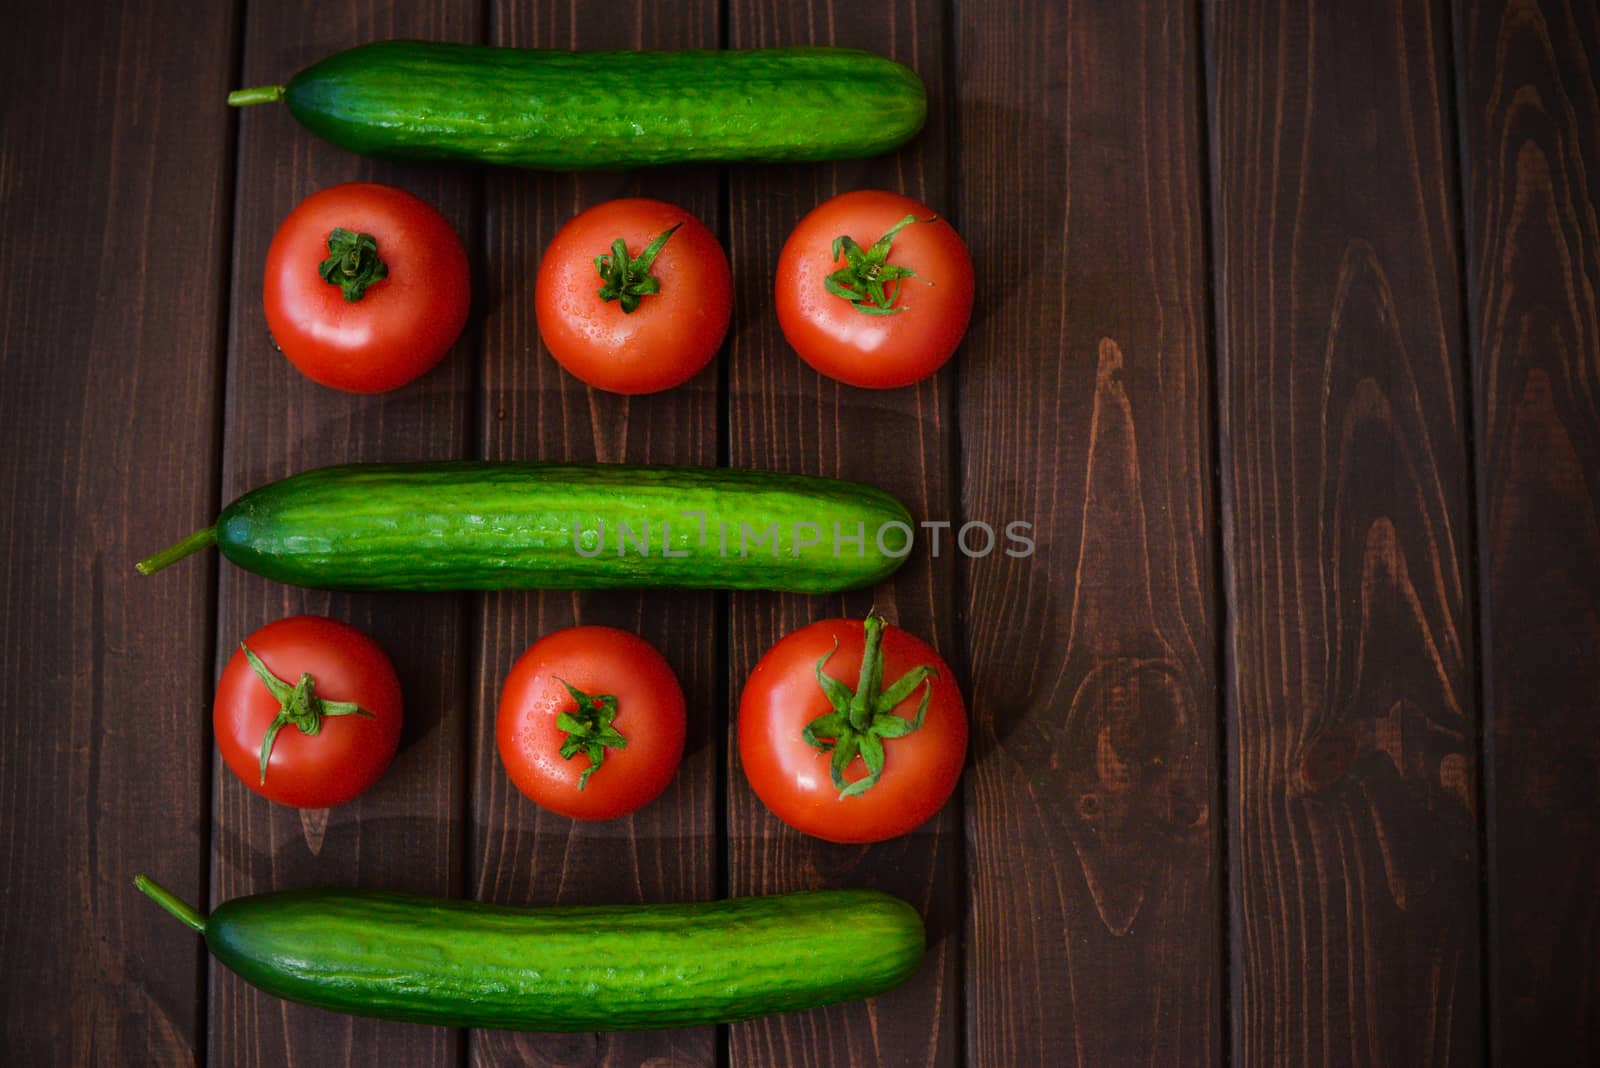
[
  {"x": 598, "y": 968},
  {"x": 465, "y": 525},
  {"x": 569, "y": 111}
]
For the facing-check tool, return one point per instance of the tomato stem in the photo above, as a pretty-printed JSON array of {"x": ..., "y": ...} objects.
[
  {"x": 171, "y": 902},
  {"x": 589, "y": 730},
  {"x": 260, "y": 94},
  {"x": 200, "y": 539},
  {"x": 868, "y": 280},
  {"x": 627, "y": 279},
  {"x": 352, "y": 263},
  {"x": 862, "y": 719},
  {"x": 297, "y": 704}
]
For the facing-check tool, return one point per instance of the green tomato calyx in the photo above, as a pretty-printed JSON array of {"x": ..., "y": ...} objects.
[
  {"x": 627, "y": 279},
  {"x": 297, "y": 704},
  {"x": 868, "y": 280},
  {"x": 863, "y": 718},
  {"x": 589, "y": 730},
  {"x": 352, "y": 263}
]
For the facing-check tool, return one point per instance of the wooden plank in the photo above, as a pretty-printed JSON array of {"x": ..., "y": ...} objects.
[
  {"x": 114, "y": 205},
  {"x": 1352, "y": 715},
  {"x": 1530, "y": 119},
  {"x": 1092, "y": 807},
  {"x": 406, "y": 833},
  {"x": 532, "y": 409},
  {"x": 784, "y": 416}
]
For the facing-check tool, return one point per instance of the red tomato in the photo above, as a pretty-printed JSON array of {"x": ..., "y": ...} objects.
[
  {"x": 876, "y": 343},
  {"x": 795, "y": 777},
  {"x": 324, "y": 671},
  {"x": 681, "y": 296},
  {"x": 591, "y": 722},
  {"x": 398, "y": 326}
]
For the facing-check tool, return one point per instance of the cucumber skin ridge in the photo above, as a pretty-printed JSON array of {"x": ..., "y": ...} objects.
[
  {"x": 559, "y": 110},
  {"x": 580, "y": 968},
  {"x": 459, "y": 525}
]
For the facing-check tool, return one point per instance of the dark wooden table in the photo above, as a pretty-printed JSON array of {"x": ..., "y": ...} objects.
[{"x": 1287, "y": 342}]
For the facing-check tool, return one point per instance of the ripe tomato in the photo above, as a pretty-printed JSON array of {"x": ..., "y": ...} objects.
[
  {"x": 633, "y": 296},
  {"x": 874, "y": 289},
  {"x": 324, "y": 701},
  {"x": 591, "y": 722},
  {"x": 812, "y": 762},
  {"x": 366, "y": 287}
]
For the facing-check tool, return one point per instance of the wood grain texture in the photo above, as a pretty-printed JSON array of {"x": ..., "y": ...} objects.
[
  {"x": 113, "y": 217},
  {"x": 407, "y": 832},
  {"x": 1092, "y": 827},
  {"x": 532, "y": 409},
  {"x": 1530, "y": 119},
  {"x": 784, "y": 416},
  {"x": 1352, "y": 718},
  {"x": 1124, "y": 809}
]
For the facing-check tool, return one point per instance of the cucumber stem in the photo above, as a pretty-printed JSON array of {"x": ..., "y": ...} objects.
[
  {"x": 200, "y": 539},
  {"x": 171, "y": 902},
  {"x": 260, "y": 94}
]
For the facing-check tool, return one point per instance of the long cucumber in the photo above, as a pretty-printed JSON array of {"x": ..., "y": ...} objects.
[
  {"x": 461, "y": 525},
  {"x": 560, "y": 110},
  {"x": 599, "y": 968}
]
